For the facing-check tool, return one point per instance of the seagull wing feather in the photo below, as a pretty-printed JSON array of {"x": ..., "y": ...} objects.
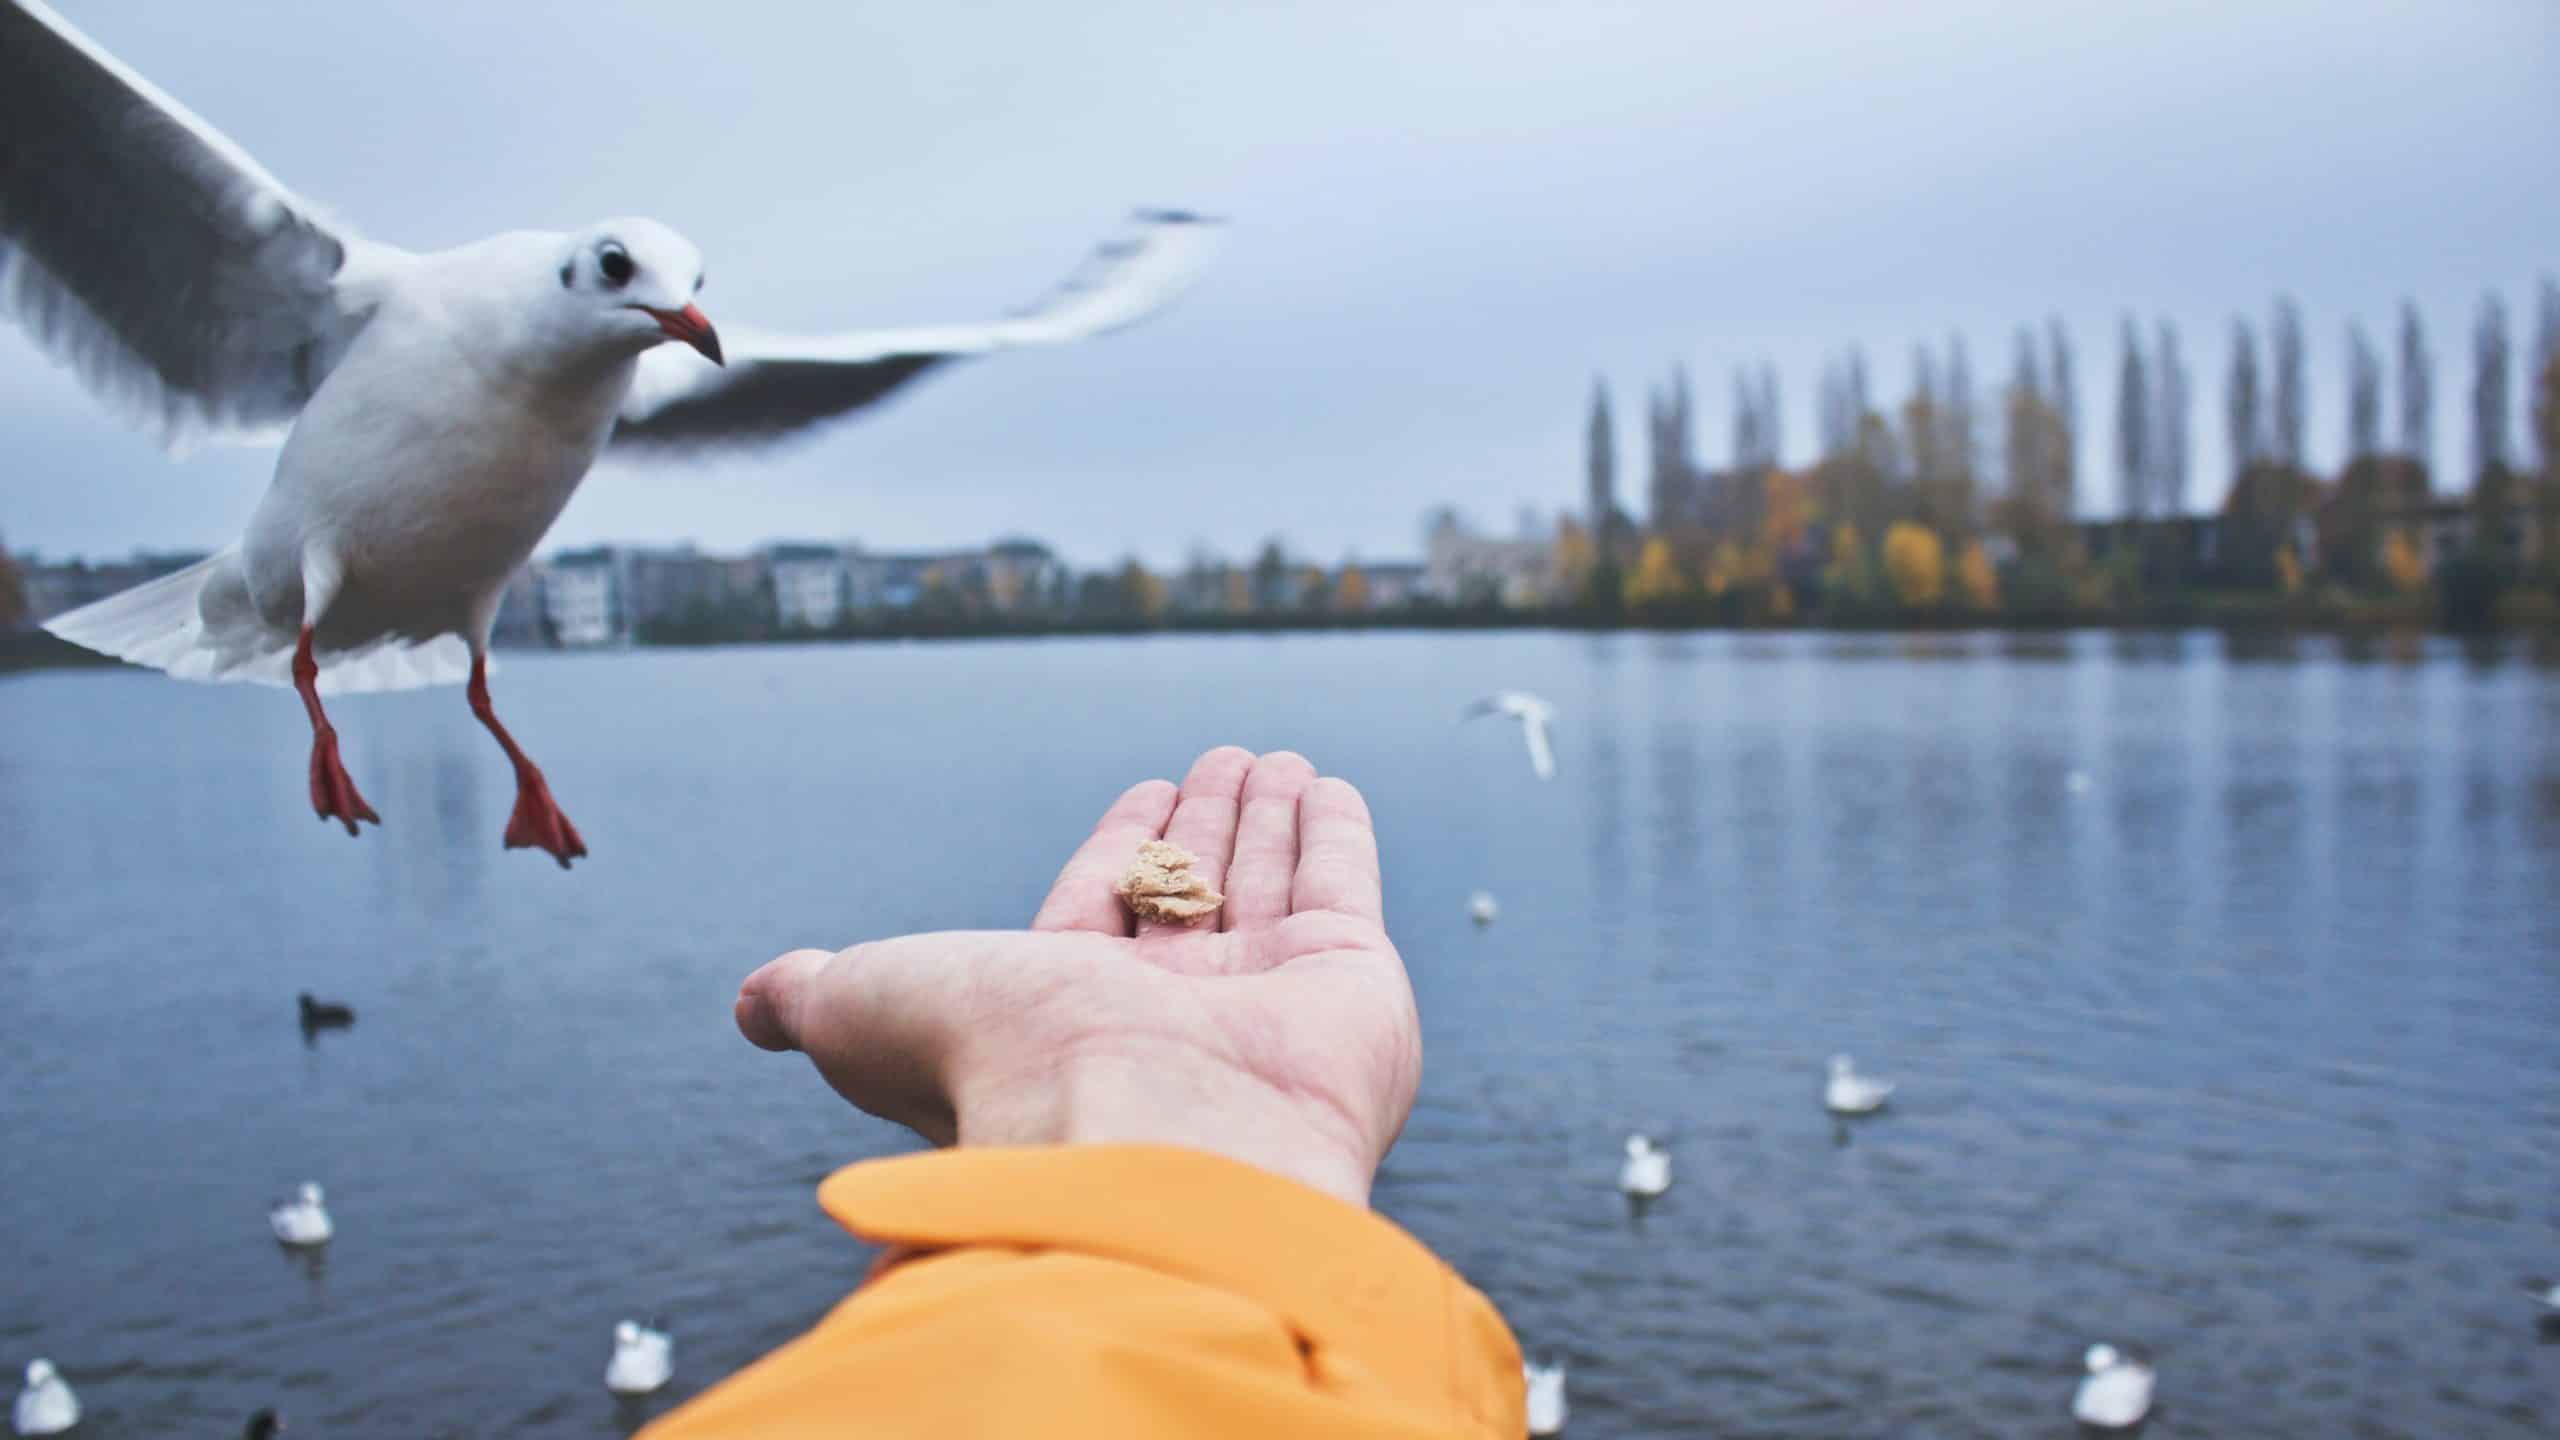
[
  {"x": 1542, "y": 751},
  {"x": 185, "y": 286},
  {"x": 778, "y": 385}
]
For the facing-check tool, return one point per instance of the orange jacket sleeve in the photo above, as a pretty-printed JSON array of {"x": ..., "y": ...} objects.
[{"x": 1127, "y": 1291}]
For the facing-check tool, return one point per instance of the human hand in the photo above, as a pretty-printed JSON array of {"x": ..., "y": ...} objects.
[{"x": 1282, "y": 1035}]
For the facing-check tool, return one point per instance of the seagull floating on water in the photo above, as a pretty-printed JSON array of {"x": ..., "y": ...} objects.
[
  {"x": 2545, "y": 1293},
  {"x": 324, "y": 1015},
  {"x": 302, "y": 1220},
  {"x": 643, "y": 1359},
  {"x": 436, "y": 410},
  {"x": 1647, "y": 1172},
  {"x": 1534, "y": 716},
  {"x": 1547, "y": 1409},
  {"x": 2116, "y": 1393},
  {"x": 1850, "y": 1093},
  {"x": 1481, "y": 907},
  {"x": 264, "y": 1425},
  {"x": 46, "y": 1406}
]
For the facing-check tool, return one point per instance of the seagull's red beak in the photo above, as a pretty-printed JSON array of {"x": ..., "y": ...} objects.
[{"x": 692, "y": 327}]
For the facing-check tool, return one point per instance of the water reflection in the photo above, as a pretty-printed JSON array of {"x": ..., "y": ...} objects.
[{"x": 311, "y": 1264}]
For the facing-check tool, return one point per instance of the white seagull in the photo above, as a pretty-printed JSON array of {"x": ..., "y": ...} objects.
[
  {"x": 2545, "y": 1293},
  {"x": 1850, "y": 1093},
  {"x": 643, "y": 1359},
  {"x": 302, "y": 1220},
  {"x": 437, "y": 410},
  {"x": 1534, "y": 716},
  {"x": 2116, "y": 1393},
  {"x": 1647, "y": 1172},
  {"x": 46, "y": 1406},
  {"x": 1547, "y": 1410},
  {"x": 1482, "y": 907}
]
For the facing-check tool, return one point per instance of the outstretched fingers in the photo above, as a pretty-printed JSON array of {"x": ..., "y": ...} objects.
[
  {"x": 1337, "y": 854},
  {"x": 1266, "y": 854},
  {"x": 1204, "y": 822},
  {"x": 1085, "y": 897}
]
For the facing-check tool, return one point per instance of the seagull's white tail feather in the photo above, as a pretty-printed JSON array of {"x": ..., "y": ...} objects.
[
  {"x": 165, "y": 625},
  {"x": 159, "y": 623}
]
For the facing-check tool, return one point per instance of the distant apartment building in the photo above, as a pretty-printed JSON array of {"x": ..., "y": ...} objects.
[
  {"x": 809, "y": 585},
  {"x": 681, "y": 585},
  {"x": 1461, "y": 567},
  {"x": 1393, "y": 585},
  {"x": 1022, "y": 575},
  {"x": 884, "y": 582},
  {"x": 1007, "y": 577},
  {"x": 582, "y": 598},
  {"x": 520, "y": 620}
]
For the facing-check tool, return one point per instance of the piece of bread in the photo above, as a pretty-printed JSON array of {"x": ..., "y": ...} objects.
[{"x": 1159, "y": 885}]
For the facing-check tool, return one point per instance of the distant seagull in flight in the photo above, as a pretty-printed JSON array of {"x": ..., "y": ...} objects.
[
  {"x": 1534, "y": 715},
  {"x": 436, "y": 410}
]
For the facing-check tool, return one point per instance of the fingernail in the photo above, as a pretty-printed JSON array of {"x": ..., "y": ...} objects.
[{"x": 757, "y": 1019}]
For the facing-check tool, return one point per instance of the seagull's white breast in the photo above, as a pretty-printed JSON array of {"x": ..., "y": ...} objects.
[{"x": 431, "y": 460}]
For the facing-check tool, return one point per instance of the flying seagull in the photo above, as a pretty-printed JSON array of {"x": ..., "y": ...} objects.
[
  {"x": 1534, "y": 715},
  {"x": 436, "y": 410}
]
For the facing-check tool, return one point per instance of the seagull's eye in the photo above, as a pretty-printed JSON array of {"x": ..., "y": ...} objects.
[{"x": 615, "y": 263}]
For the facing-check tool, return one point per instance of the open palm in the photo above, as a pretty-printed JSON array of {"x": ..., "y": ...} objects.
[{"x": 1284, "y": 1035}]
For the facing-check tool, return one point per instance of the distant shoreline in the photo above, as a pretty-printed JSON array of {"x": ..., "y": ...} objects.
[{"x": 36, "y": 650}]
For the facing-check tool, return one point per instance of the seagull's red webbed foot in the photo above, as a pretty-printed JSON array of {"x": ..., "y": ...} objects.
[
  {"x": 537, "y": 823},
  {"x": 333, "y": 790}
]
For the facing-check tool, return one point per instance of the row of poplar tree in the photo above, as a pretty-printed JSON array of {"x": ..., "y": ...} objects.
[{"x": 1792, "y": 536}]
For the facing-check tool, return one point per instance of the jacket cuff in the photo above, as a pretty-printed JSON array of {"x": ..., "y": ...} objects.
[{"x": 1371, "y": 1300}]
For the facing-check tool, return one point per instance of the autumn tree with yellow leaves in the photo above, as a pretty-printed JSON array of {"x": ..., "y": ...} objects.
[
  {"x": 1351, "y": 591},
  {"x": 1571, "y": 560},
  {"x": 1915, "y": 560},
  {"x": 1976, "y": 581},
  {"x": 1849, "y": 579},
  {"x": 1656, "y": 584},
  {"x": 1142, "y": 591},
  {"x": 2402, "y": 563}
]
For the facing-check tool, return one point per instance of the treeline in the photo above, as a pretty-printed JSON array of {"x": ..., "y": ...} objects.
[
  {"x": 13, "y": 591},
  {"x": 1274, "y": 588},
  {"x": 1956, "y": 503}
]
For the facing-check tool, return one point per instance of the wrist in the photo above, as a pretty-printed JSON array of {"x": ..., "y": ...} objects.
[{"x": 1168, "y": 1096}]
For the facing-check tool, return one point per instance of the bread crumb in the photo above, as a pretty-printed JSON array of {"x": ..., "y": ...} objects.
[{"x": 1159, "y": 885}]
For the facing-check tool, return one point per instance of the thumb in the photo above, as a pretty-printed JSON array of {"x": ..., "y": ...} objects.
[
  {"x": 877, "y": 1020},
  {"x": 762, "y": 996}
]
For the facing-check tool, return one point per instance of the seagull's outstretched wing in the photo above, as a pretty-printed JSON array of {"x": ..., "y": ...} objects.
[
  {"x": 187, "y": 287},
  {"x": 775, "y": 385},
  {"x": 1542, "y": 750}
]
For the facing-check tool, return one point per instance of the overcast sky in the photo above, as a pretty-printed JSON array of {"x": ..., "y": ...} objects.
[{"x": 1445, "y": 221}]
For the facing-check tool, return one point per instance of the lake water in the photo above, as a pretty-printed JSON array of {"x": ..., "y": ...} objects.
[{"x": 2243, "y": 1050}]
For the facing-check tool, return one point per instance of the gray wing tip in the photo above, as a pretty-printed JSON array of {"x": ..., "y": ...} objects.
[{"x": 1147, "y": 215}]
